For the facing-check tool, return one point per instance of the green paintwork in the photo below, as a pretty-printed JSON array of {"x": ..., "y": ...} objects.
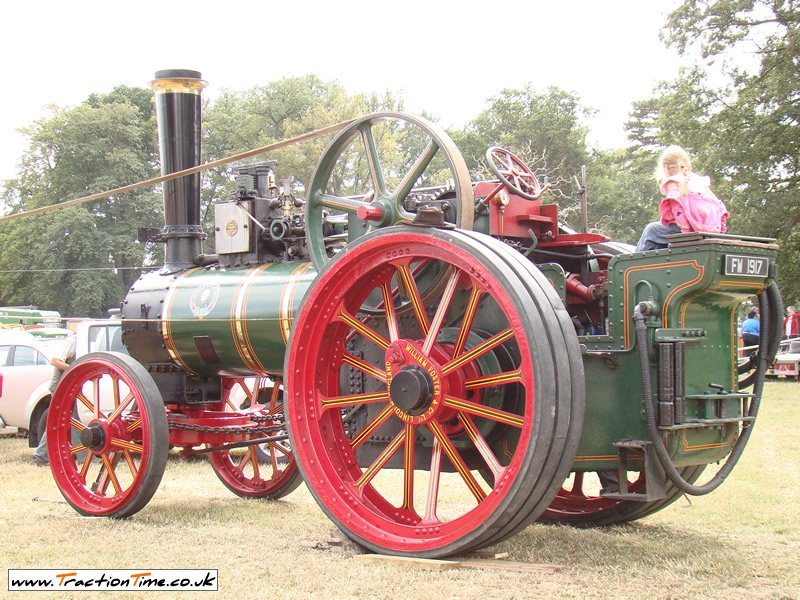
[
  {"x": 697, "y": 304},
  {"x": 246, "y": 314}
]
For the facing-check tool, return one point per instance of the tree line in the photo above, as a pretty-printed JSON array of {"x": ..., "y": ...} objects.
[{"x": 742, "y": 131}]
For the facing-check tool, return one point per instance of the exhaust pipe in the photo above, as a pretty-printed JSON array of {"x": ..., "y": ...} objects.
[{"x": 178, "y": 102}]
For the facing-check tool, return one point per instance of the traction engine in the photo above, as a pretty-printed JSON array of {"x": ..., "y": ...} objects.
[{"x": 442, "y": 361}]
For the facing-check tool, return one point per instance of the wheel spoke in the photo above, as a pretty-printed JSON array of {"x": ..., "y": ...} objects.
[
  {"x": 365, "y": 367},
  {"x": 408, "y": 468},
  {"x": 577, "y": 485},
  {"x": 254, "y": 461},
  {"x": 373, "y": 160},
  {"x": 494, "y": 379},
  {"x": 130, "y": 462},
  {"x": 466, "y": 323},
  {"x": 441, "y": 311},
  {"x": 478, "y": 350},
  {"x": 413, "y": 295},
  {"x": 96, "y": 389},
  {"x": 376, "y": 422},
  {"x": 354, "y": 400},
  {"x": 457, "y": 462},
  {"x": 77, "y": 424},
  {"x": 418, "y": 168},
  {"x": 85, "y": 401},
  {"x": 383, "y": 458},
  {"x": 77, "y": 449},
  {"x": 112, "y": 476},
  {"x": 87, "y": 461},
  {"x": 481, "y": 444},
  {"x": 433, "y": 483},
  {"x": 487, "y": 412},
  {"x": 363, "y": 329},
  {"x": 120, "y": 406},
  {"x": 135, "y": 424},
  {"x": 126, "y": 445},
  {"x": 391, "y": 317}
]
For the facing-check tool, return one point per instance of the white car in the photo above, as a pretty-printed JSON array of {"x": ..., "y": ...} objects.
[
  {"x": 24, "y": 368},
  {"x": 28, "y": 412}
]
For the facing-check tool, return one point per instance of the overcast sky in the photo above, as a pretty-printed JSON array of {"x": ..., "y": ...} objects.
[{"x": 445, "y": 57}]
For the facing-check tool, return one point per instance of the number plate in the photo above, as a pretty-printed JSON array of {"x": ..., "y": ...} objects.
[{"x": 748, "y": 266}]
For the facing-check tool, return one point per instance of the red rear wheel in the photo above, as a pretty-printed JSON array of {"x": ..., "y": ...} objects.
[
  {"x": 107, "y": 436},
  {"x": 393, "y": 417},
  {"x": 580, "y": 503},
  {"x": 265, "y": 470}
]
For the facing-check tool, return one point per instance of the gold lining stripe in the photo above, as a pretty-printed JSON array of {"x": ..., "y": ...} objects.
[
  {"x": 246, "y": 350},
  {"x": 379, "y": 420},
  {"x": 361, "y": 328},
  {"x": 456, "y": 461},
  {"x": 233, "y": 323},
  {"x": 490, "y": 380},
  {"x": 166, "y": 322},
  {"x": 478, "y": 350},
  {"x": 367, "y": 368},
  {"x": 667, "y": 265},
  {"x": 590, "y": 458},
  {"x": 287, "y": 300}
]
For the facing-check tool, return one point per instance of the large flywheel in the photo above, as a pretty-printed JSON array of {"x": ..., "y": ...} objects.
[
  {"x": 377, "y": 172},
  {"x": 446, "y": 428}
]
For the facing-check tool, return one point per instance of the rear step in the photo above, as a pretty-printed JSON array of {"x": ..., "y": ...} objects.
[{"x": 634, "y": 453}]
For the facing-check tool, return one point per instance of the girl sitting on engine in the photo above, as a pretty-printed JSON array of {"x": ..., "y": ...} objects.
[{"x": 688, "y": 204}]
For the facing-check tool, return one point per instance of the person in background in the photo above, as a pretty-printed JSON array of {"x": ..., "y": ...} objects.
[
  {"x": 688, "y": 204},
  {"x": 791, "y": 324},
  {"x": 60, "y": 364},
  {"x": 751, "y": 331}
]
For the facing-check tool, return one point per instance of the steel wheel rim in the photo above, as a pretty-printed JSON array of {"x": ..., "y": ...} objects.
[
  {"x": 121, "y": 463},
  {"x": 345, "y": 491}
]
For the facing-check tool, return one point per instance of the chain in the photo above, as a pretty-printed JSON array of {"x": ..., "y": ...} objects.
[{"x": 176, "y": 424}]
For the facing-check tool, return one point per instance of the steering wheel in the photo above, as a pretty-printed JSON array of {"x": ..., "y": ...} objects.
[{"x": 514, "y": 173}]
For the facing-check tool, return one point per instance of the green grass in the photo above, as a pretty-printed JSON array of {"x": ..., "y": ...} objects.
[{"x": 741, "y": 541}]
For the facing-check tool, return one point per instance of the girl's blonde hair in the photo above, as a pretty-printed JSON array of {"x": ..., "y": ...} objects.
[{"x": 673, "y": 160}]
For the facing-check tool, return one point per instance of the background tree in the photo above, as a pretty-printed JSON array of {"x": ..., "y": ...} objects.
[
  {"x": 107, "y": 142},
  {"x": 744, "y": 129},
  {"x": 545, "y": 128}
]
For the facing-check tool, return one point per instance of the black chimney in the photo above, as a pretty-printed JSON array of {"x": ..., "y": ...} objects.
[{"x": 178, "y": 97}]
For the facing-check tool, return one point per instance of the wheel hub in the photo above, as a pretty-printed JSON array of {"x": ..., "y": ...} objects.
[
  {"x": 93, "y": 437},
  {"x": 412, "y": 390}
]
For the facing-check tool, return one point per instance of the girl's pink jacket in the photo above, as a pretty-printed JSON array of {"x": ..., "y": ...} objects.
[{"x": 698, "y": 210}]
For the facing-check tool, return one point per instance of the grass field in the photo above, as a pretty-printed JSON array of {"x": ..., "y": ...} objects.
[{"x": 742, "y": 541}]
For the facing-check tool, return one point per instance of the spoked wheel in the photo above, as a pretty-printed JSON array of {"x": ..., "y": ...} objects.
[
  {"x": 107, "y": 436},
  {"x": 513, "y": 173},
  {"x": 580, "y": 504},
  {"x": 366, "y": 180},
  {"x": 393, "y": 419},
  {"x": 263, "y": 470}
]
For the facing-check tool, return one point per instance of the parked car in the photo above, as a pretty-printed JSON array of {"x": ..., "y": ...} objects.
[
  {"x": 28, "y": 412},
  {"x": 24, "y": 368},
  {"x": 787, "y": 361}
]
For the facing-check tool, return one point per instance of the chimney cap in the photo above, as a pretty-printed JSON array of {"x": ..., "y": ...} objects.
[{"x": 178, "y": 74}]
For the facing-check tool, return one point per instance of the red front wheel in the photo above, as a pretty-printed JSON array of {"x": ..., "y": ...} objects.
[
  {"x": 107, "y": 436},
  {"x": 447, "y": 427}
]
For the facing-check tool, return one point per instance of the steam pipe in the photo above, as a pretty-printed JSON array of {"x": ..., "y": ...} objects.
[{"x": 178, "y": 103}]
